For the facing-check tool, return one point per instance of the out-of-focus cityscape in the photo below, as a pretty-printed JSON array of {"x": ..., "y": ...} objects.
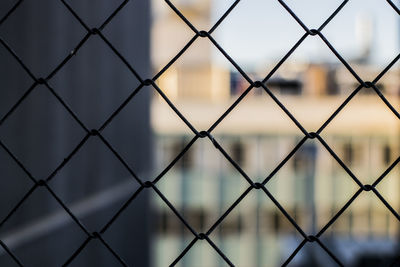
[
  {"x": 87, "y": 139},
  {"x": 258, "y": 135}
]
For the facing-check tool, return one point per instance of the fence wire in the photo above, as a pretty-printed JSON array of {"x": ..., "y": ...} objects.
[{"x": 150, "y": 83}]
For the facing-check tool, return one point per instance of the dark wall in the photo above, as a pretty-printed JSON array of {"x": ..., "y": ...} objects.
[{"x": 41, "y": 133}]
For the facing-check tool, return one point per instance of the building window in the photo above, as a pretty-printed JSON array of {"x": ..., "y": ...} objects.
[
  {"x": 169, "y": 224},
  {"x": 232, "y": 225},
  {"x": 304, "y": 158},
  {"x": 285, "y": 87},
  {"x": 237, "y": 84},
  {"x": 162, "y": 222},
  {"x": 186, "y": 161},
  {"x": 297, "y": 162},
  {"x": 280, "y": 223},
  {"x": 387, "y": 151},
  {"x": 332, "y": 88},
  {"x": 196, "y": 218},
  {"x": 237, "y": 152},
  {"x": 348, "y": 154},
  {"x": 239, "y": 224}
]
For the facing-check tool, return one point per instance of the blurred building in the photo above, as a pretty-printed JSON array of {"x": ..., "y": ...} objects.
[
  {"x": 258, "y": 135},
  {"x": 42, "y": 134},
  {"x": 195, "y": 70}
]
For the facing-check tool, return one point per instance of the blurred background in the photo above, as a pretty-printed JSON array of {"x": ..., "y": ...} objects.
[
  {"x": 312, "y": 83},
  {"x": 202, "y": 84}
]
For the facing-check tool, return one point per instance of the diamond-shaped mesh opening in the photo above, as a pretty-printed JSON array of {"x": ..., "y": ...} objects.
[
  {"x": 258, "y": 26},
  {"x": 48, "y": 28},
  {"x": 193, "y": 185},
  {"x": 201, "y": 80},
  {"x": 80, "y": 84},
  {"x": 247, "y": 233},
  {"x": 34, "y": 116},
  {"x": 309, "y": 190},
  {"x": 41, "y": 217},
  {"x": 251, "y": 143},
  {"x": 94, "y": 195}
]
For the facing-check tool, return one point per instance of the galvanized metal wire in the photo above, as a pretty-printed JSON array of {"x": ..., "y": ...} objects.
[{"x": 149, "y": 83}]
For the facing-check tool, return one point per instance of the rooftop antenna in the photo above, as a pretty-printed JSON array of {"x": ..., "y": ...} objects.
[{"x": 364, "y": 31}]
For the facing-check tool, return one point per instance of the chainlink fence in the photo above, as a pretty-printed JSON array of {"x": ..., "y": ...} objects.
[{"x": 147, "y": 83}]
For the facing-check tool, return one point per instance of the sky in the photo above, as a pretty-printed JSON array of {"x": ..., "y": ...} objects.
[{"x": 259, "y": 31}]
